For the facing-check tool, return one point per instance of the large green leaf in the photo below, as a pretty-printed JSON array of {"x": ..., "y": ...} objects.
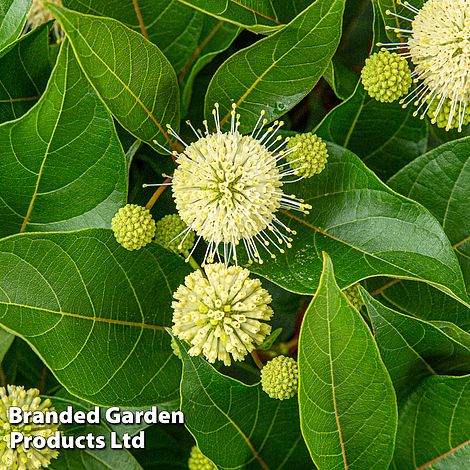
[
  {"x": 440, "y": 181},
  {"x": 434, "y": 428},
  {"x": 24, "y": 71},
  {"x": 258, "y": 16},
  {"x": 175, "y": 28},
  {"x": 262, "y": 432},
  {"x": 348, "y": 411},
  {"x": 421, "y": 300},
  {"x": 132, "y": 76},
  {"x": 12, "y": 20},
  {"x": 89, "y": 459},
  {"x": 274, "y": 74},
  {"x": 368, "y": 230},
  {"x": 413, "y": 349},
  {"x": 95, "y": 312},
  {"x": 385, "y": 136},
  {"x": 62, "y": 166}
]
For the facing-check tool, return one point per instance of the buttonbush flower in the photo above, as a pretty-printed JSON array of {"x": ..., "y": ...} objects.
[
  {"x": 221, "y": 314},
  {"x": 19, "y": 458},
  {"x": 133, "y": 226},
  {"x": 198, "y": 461},
  {"x": 280, "y": 378},
  {"x": 353, "y": 295},
  {"x": 386, "y": 76},
  {"x": 309, "y": 156},
  {"x": 438, "y": 44},
  {"x": 229, "y": 187},
  {"x": 39, "y": 13},
  {"x": 167, "y": 233}
]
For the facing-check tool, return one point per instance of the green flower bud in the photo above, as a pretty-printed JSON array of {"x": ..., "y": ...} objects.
[
  {"x": 168, "y": 229},
  {"x": 442, "y": 118},
  {"x": 386, "y": 76},
  {"x": 198, "y": 461},
  {"x": 133, "y": 226},
  {"x": 353, "y": 295},
  {"x": 280, "y": 378},
  {"x": 309, "y": 157}
]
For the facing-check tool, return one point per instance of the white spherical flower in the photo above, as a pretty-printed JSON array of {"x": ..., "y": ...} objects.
[
  {"x": 438, "y": 45},
  {"x": 221, "y": 314},
  {"x": 19, "y": 458},
  {"x": 228, "y": 188}
]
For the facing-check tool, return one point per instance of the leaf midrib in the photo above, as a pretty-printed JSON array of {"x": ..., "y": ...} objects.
[
  {"x": 46, "y": 154},
  {"x": 85, "y": 317}
]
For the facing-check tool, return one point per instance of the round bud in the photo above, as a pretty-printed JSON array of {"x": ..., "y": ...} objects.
[
  {"x": 386, "y": 76},
  {"x": 133, "y": 226},
  {"x": 198, "y": 461},
  {"x": 353, "y": 295},
  {"x": 169, "y": 234},
  {"x": 310, "y": 154},
  {"x": 460, "y": 115},
  {"x": 280, "y": 378}
]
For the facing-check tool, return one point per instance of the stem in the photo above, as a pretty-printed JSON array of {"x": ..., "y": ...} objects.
[
  {"x": 3, "y": 379},
  {"x": 256, "y": 359},
  {"x": 156, "y": 195},
  {"x": 193, "y": 263}
]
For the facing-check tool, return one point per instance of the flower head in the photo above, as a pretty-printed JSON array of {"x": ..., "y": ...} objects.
[
  {"x": 133, "y": 226},
  {"x": 353, "y": 295},
  {"x": 221, "y": 314},
  {"x": 167, "y": 233},
  {"x": 198, "y": 461},
  {"x": 280, "y": 378},
  {"x": 438, "y": 45},
  {"x": 39, "y": 13},
  {"x": 309, "y": 156},
  {"x": 228, "y": 189},
  {"x": 19, "y": 458},
  {"x": 386, "y": 76}
]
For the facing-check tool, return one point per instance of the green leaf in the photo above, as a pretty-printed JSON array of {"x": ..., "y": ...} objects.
[
  {"x": 368, "y": 229},
  {"x": 440, "y": 181},
  {"x": 434, "y": 426},
  {"x": 216, "y": 36},
  {"x": 348, "y": 410},
  {"x": 175, "y": 28},
  {"x": 259, "y": 17},
  {"x": 6, "y": 339},
  {"x": 274, "y": 74},
  {"x": 421, "y": 300},
  {"x": 12, "y": 20},
  {"x": 130, "y": 74},
  {"x": 24, "y": 71},
  {"x": 61, "y": 169},
  {"x": 341, "y": 80},
  {"x": 413, "y": 349},
  {"x": 89, "y": 459},
  {"x": 385, "y": 136},
  {"x": 262, "y": 432},
  {"x": 95, "y": 313}
]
